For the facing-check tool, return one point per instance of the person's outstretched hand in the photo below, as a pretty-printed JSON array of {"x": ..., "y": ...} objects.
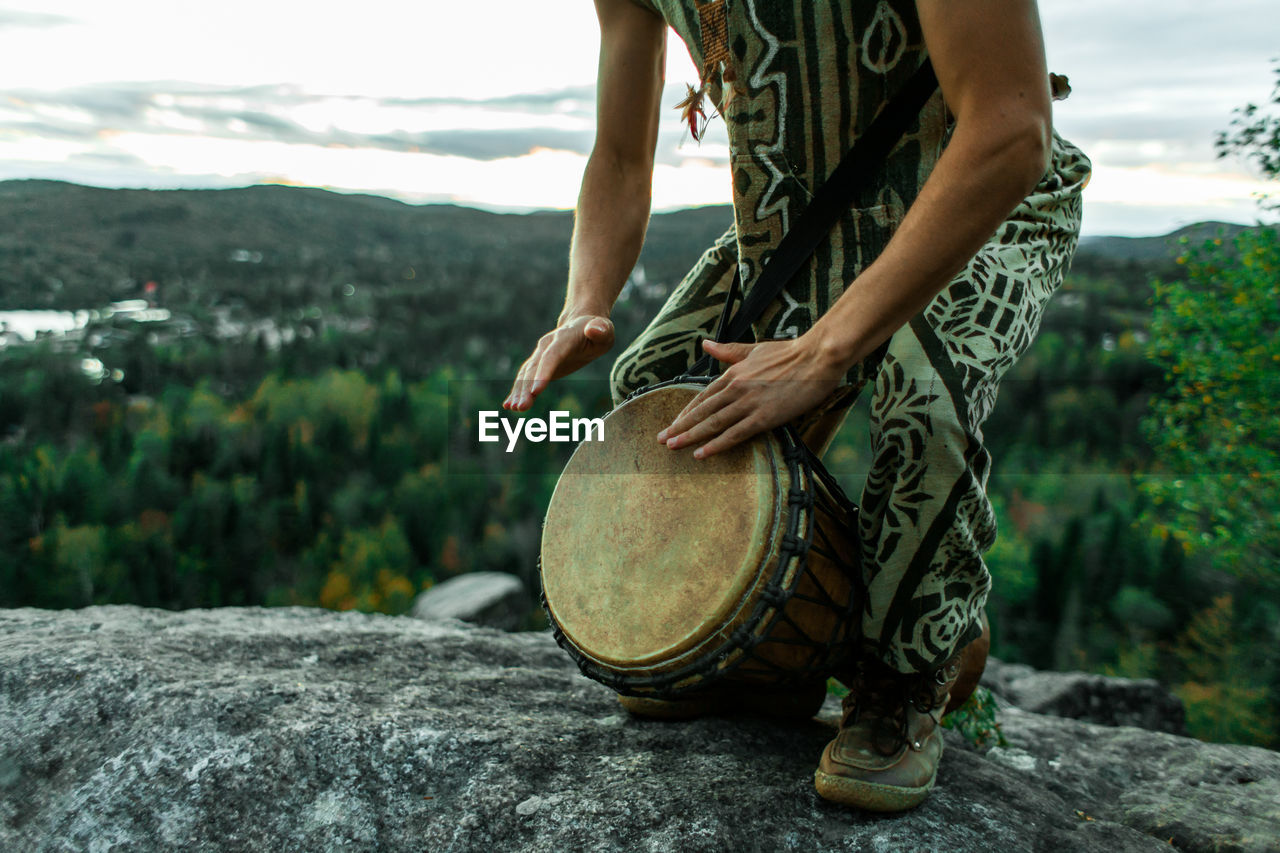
[{"x": 575, "y": 342}]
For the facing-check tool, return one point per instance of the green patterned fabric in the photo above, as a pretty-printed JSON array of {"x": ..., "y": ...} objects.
[{"x": 807, "y": 77}]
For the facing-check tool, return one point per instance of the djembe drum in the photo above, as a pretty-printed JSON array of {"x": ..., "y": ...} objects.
[{"x": 662, "y": 573}]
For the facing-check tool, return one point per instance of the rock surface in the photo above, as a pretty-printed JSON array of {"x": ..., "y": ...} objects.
[
  {"x": 1084, "y": 696},
  {"x": 294, "y": 729},
  {"x": 496, "y": 599}
]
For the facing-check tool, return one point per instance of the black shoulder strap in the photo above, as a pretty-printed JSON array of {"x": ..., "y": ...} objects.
[{"x": 830, "y": 201}]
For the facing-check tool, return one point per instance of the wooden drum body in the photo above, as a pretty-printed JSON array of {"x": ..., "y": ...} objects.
[{"x": 662, "y": 573}]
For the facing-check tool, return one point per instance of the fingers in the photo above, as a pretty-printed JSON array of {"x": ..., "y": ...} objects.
[
  {"x": 558, "y": 352},
  {"x": 712, "y": 398},
  {"x": 710, "y": 426},
  {"x": 599, "y": 330},
  {"x": 723, "y": 420},
  {"x": 516, "y": 399},
  {"x": 727, "y": 353},
  {"x": 524, "y": 389},
  {"x": 725, "y": 413},
  {"x": 534, "y": 375},
  {"x": 704, "y": 403},
  {"x": 758, "y": 391},
  {"x": 732, "y": 437},
  {"x": 717, "y": 408}
]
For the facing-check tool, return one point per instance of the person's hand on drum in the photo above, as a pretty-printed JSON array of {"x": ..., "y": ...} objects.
[
  {"x": 576, "y": 340},
  {"x": 766, "y": 385}
]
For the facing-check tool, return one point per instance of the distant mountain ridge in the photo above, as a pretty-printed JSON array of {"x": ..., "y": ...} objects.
[
  {"x": 67, "y": 247},
  {"x": 273, "y": 251},
  {"x": 1155, "y": 248},
  {"x": 45, "y": 208}
]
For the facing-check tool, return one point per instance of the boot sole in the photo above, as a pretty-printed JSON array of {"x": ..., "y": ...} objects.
[
  {"x": 785, "y": 706},
  {"x": 871, "y": 796}
]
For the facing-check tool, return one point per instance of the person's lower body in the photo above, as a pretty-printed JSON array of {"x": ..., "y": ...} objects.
[{"x": 924, "y": 516}]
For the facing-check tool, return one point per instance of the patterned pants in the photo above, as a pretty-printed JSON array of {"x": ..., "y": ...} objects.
[{"x": 925, "y": 519}]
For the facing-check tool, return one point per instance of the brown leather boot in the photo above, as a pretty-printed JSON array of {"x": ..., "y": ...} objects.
[
  {"x": 885, "y": 757},
  {"x": 729, "y": 698}
]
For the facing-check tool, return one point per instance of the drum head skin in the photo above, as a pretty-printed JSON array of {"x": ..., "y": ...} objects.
[{"x": 636, "y": 571}]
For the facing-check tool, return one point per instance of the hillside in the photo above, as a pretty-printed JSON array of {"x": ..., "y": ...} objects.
[
  {"x": 1154, "y": 248},
  {"x": 69, "y": 247},
  {"x": 268, "y": 264}
]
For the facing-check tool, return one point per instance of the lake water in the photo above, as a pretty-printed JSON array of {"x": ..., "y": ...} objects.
[{"x": 27, "y": 324}]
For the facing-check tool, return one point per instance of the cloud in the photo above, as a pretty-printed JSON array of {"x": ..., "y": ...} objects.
[
  {"x": 561, "y": 120},
  {"x": 1157, "y": 70},
  {"x": 484, "y": 144},
  {"x": 44, "y": 130},
  {"x": 113, "y": 159},
  {"x": 105, "y": 106},
  {"x": 530, "y": 101},
  {"x": 11, "y": 19}
]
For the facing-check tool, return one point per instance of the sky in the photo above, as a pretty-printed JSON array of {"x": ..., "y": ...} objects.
[{"x": 491, "y": 104}]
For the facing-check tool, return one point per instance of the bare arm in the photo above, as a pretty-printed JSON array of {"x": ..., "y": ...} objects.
[
  {"x": 613, "y": 204},
  {"x": 989, "y": 58}
]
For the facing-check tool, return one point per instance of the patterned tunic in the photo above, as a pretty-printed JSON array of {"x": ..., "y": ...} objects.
[
  {"x": 810, "y": 76},
  {"x": 802, "y": 79}
]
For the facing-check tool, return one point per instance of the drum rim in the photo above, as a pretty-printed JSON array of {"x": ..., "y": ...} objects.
[
  {"x": 730, "y": 653},
  {"x": 734, "y": 609}
]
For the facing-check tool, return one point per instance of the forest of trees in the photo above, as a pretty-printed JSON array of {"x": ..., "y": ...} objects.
[{"x": 287, "y": 433}]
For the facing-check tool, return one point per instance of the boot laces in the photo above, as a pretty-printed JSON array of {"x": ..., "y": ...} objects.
[{"x": 882, "y": 697}]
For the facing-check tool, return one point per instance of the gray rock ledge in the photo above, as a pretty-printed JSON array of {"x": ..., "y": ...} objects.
[
  {"x": 295, "y": 729},
  {"x": 1141, "y": 702}
]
